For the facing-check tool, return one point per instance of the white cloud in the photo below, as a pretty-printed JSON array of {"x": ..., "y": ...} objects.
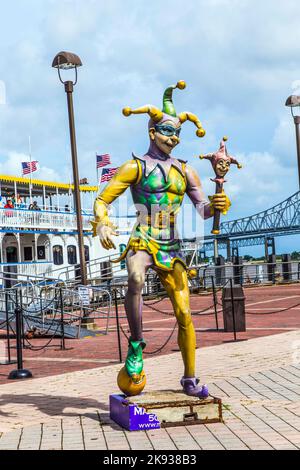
[
  {"x": 239, "y": 58},
  {"x": 13, "y": 167}
]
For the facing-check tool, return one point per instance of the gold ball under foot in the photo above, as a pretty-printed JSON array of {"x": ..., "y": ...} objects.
[
  {"x": 131, "y": 386},
  {"x": 215, "y": 232}
]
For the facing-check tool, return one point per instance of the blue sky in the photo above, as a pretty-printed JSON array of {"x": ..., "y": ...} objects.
[{"x": 240, "y": 60}]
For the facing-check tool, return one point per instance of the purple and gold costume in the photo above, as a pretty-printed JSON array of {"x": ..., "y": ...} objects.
[
  {"x": 158, "y": 184},
  {"x": 158, "y": 195}
]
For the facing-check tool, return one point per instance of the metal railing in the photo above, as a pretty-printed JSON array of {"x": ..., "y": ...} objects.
[
  {"x": 249, "y": 273},
  {"x": 54, "y": 220},
  {"x": 51, "y": 309}
]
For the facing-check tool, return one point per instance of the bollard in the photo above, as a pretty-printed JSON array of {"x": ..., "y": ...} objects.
[
  {"x": 237, "y": 269},
  {"x": 286, "y": 267},
  {"x": 271, "y": 268},
  {"x": 233, "y": 301},
  {"x": 19, "y": 373}
]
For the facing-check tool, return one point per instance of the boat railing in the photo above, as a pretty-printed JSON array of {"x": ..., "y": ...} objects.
[
  {"x": 54, "y": 220},
  {"x": 42, "y": 219},
  {"x": 32, "y": 268}
]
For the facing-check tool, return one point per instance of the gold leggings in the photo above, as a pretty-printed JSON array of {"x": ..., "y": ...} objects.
[{"x": 176, "y": 284}]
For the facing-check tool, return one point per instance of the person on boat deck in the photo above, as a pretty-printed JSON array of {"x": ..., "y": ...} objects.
[
  {"x": 34, "y": 206},
  {"x": 19, "y": 202},
  {"x": 9, "y": 205}
]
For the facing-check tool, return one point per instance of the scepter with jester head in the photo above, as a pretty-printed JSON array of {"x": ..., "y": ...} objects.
[{"x": 221, "y": 162}]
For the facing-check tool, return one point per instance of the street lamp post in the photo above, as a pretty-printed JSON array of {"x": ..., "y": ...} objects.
[
  {"x": 66, "y": 61},
  {"x": 294, "y": 102}
]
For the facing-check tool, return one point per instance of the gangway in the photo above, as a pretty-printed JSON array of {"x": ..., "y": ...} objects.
[
  {"x": 56, "y": 310},
  {"x": 53, "y": 327}
]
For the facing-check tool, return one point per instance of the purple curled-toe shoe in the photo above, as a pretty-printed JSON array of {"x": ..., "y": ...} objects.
[{"x": 192, "y": 388}]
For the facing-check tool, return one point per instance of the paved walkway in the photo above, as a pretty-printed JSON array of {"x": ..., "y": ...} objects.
[
  {"x": 102, "y": 350},
  {"x": 259, "y": 381}
]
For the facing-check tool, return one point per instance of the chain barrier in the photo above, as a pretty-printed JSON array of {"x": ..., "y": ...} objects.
[
  {"x": 55, "y": 301},
  {"x": 274, "y": 312},
  {"x": 161, "y": 347}
]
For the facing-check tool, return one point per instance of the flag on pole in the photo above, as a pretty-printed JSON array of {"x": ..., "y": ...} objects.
[
  {"x": 107, "y": 174},
  {"x": 29, "y": 167},
  {"x": 103, "y": 160}
]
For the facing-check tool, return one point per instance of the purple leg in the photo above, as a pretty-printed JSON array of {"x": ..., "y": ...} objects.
[{"x": 137, "y": 265}]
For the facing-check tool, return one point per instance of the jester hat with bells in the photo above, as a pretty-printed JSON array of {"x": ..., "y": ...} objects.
[
  {"x": 168, "y": 112},
  {"x": 221, "y": 154}
]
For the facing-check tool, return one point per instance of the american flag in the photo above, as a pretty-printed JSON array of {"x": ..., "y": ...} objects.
[
  {"x": 103, "y": 160},
  {"x": 29, "y": 167},
  {"x": 107, "y": 174}
]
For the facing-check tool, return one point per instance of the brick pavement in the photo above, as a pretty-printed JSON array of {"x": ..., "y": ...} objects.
[{"x": 258, "y": 380}]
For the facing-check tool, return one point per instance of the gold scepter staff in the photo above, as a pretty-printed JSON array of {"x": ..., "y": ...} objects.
[{"x": 221, "y": 162}]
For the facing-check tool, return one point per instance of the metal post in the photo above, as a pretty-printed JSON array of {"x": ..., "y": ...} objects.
[
  {"x": 22, "y": 319},
  {"x": 233, "y": 311},
  {"x": 62, "y": 325},
  {"x": 297, "y": 123},
  {"x": 69, "y": 87},
  {"x": 20, "y": 373},
  {"x": 7, "y": 328},
  {"x": 215, "y": 301},
  {"x": 118, "y": 326}
]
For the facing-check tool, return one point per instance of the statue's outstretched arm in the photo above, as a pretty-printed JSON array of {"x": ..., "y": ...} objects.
[{"x": 127, "y": 174}]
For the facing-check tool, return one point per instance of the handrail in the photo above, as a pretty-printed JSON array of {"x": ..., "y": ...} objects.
[{"x": 45, "y": 211}]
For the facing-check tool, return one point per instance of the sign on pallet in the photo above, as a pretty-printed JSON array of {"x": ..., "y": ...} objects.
[{"x": 163, "y": 409}]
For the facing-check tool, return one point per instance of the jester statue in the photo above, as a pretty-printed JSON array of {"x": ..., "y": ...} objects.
[{"x": 158, "y": 183}]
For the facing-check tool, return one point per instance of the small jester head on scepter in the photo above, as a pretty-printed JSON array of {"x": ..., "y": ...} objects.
[
  {"x": 165, "y": 125},
  {"x": 221, "y": 162}
]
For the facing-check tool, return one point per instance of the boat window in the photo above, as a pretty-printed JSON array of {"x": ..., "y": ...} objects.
[
  {"x": 86, "y": 253},
  {"x": 41, "y": 250},
  {"x": 58, "y": 258},
  {"x": 28, "y": 253},
  {"x": 72, "y": 256},
  {"x": 11, "y": 254}
]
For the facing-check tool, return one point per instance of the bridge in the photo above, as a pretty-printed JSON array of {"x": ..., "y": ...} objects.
[{"x": 259, "y": 229}]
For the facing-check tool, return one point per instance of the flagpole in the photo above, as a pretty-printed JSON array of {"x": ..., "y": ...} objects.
[
  {"x": 30, "y": 184},
  {"x": 97, "y": 170}
]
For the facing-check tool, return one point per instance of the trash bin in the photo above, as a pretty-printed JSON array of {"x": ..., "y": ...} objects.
[{"x": 239, "y": 308}]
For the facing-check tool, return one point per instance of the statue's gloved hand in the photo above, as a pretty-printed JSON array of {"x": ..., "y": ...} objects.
[
  {"x": 105, "y": 233},
  {"x": 220, "y": 202}
]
